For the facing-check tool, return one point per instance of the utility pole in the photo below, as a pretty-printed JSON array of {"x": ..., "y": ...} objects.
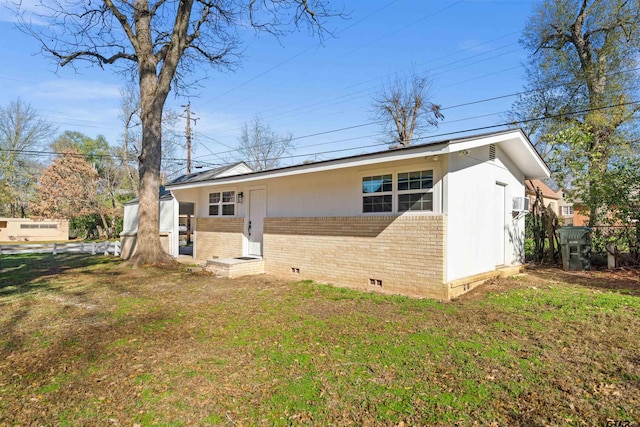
[{"x": 188, "y": 111}]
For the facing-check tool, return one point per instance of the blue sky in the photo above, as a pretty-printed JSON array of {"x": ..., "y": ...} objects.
[{"x": 469, "y": 49}]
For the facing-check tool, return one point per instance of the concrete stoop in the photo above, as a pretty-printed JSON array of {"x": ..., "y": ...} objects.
[{"x": 235, "y": 267}]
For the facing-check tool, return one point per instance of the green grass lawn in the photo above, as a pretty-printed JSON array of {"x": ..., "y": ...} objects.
[{"x": 89, "y": 341}]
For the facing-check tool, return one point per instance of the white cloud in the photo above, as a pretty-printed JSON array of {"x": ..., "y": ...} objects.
[
  {"x": 75, "y": 90},
  {"x": 87, "y": 106},
  {"x": 22, "y": 11}
]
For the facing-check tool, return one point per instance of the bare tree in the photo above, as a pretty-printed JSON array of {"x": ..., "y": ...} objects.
[
  {"x": 21, "y": 131},
  {"x": 130, "y": 116},
  {"x": 404, "y": 106},
  {"x": 162, "y": 42},
  {"x": 172, "y": 138},
  {"x": 261, "y": 147}
]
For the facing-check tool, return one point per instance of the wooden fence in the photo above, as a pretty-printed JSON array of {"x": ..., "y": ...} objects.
[{"x": 93, "y": 248}]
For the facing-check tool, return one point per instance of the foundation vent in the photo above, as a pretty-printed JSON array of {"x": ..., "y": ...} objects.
[{"x": 375, "y": 282}]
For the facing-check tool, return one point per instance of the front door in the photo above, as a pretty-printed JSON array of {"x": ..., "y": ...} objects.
[{"x": 257, "y": 212}]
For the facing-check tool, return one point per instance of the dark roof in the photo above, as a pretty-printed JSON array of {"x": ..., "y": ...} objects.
[
  {"x": 194, "y": 177},
  {"x": 204, "y": 175},
  {"x": 163, "y": 194},
  {"x": 210, "y": 175}
]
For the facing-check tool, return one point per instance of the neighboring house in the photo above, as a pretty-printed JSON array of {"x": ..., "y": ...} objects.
[
  {"x": 172, "y": 214},
  {"x": 574, "y": 212},
  {"x": 550, "y": 198},
  {"x": 430, "y": 220},
  {"x": 28, "y": 230}
]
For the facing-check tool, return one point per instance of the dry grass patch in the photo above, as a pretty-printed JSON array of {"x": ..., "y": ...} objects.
[{"x": 87, "y": 341}]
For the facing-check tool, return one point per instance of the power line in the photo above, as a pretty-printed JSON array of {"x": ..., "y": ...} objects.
[
  {"x": 477, "y": 129},
  {"x": 39, "y": 153},
  {"x": 310, "y": 48},
  {"x": 444, "y": 108},
  {"x": 364, "y": 92},
  {"x": 188, "y": 134}
]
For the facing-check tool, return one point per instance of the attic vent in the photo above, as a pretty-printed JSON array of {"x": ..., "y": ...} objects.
[{"x": 492, "y": 152}]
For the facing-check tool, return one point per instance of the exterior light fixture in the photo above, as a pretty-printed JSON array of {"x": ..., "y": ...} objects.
[{"x": 240, "y": 197}]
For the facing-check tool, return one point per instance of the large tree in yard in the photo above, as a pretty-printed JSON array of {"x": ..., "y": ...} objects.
[
  {"x": 102, "y": 158},
  {"x": 583, "y": 83},
  {"x": 67, "y": 189},
  {"x": 162, "y": 42}
]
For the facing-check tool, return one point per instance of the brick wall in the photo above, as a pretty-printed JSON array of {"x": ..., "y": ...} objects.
[
  {"x": 404, "y": 253},
  {"x": 219, "y": 237}
]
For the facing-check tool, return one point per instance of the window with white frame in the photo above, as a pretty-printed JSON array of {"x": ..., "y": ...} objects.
[
  {"x": 377, "y": 193},
  {"x": 567, "y": 210},
  {"x": 222, "y": 203},
  {"x": 413, "y": 191}
]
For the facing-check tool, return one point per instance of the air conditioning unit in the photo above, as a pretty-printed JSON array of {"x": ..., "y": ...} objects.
[{"x": 520, "y": 204}]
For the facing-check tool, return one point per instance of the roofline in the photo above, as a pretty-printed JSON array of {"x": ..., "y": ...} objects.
[
  {"x": 219, "y": 169},
  {"x": 313, "y": 167},
  {"x": 432, "y": 148}
]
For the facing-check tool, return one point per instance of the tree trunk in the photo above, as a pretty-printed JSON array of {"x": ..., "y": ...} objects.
[
  {"x": 598, "y": 162},
  {"x": 105, "y": 227},
  {"x": 153, "y": 94},
  {"x": 149, "y": 249}
]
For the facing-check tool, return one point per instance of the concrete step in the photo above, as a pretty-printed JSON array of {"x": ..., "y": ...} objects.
[{"x": 235, "y": 267}]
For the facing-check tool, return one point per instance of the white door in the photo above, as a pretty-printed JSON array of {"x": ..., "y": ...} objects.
[
  {"x": 500, "y": 206},
  {"x": 257, "y": 212}
]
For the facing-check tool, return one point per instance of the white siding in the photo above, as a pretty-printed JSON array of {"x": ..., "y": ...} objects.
[
  {"x": 167, "y": 218},
  {"x": 130, "y": 220},
  {"x": 469, "y": 205},
  {"x": 331, "y": 193},
  {"x": 167, "y": 222},
  {"x": 236, "y": 170}
]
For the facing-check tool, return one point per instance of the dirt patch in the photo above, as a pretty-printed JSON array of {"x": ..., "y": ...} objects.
[{"x": 623, "y": 280}]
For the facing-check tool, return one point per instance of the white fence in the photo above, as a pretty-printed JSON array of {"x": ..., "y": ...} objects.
[{"x": 93, "y": 248}]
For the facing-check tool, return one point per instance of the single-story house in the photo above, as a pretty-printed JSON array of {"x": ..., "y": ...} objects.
[
  {"x": 430, "y": 220},
  {"x": 171, "y": 213},
  {"x": 28, "y": 230}
]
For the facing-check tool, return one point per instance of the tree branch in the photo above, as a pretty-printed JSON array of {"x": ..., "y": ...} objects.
[
  {"x": 122, "y": 19},
  {"x": 65, "y": 59}
]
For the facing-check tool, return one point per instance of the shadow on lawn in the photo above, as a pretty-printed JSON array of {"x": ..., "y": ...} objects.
[
  {"x": 22, "y": 274},
  {"x": 624, "y": 281}
]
